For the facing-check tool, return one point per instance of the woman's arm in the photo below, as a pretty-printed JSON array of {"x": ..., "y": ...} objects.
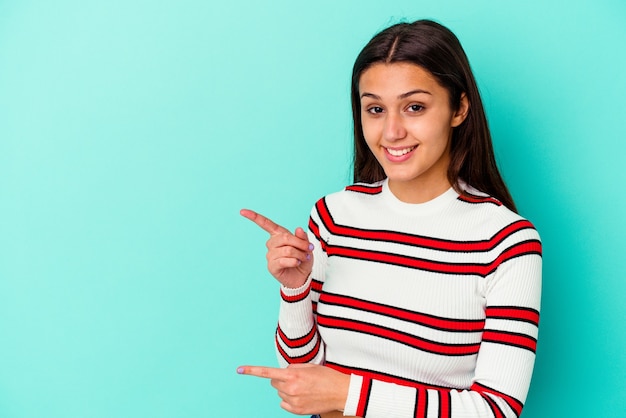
[{"x": 297, "y": 338}]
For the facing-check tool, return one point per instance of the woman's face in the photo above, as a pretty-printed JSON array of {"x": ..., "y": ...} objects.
[{"x": 407, "y": 124}]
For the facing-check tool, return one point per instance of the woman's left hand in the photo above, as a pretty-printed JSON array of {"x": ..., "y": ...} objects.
[{"x": 305, "y": 388}]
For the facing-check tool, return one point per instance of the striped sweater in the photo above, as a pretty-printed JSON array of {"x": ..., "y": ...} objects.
[{"x": 432, "y": 308}]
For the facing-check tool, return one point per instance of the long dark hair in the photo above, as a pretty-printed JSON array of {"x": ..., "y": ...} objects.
[{"x": 436, "y": 49}]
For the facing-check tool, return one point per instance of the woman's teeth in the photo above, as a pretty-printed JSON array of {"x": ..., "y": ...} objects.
[{"x": 399, "y": 152}]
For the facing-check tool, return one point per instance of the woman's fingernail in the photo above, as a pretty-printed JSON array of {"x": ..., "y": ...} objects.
[
  {"x": 299, "y": 262},
  {"x": 308, "y": 256},
  {"x": 240, "y": 370},
  {"x": 311, "y": 246}
]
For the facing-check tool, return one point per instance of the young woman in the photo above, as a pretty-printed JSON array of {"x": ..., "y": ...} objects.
[{"x": 416, "y": 291}]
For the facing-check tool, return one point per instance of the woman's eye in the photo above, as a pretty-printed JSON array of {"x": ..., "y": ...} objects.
[
  {"x": 375, "y": 109},
  {"x": 416, "y": 108}
]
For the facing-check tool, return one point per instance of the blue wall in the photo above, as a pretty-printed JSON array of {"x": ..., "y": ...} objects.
[{"x": 132, "y": 132}]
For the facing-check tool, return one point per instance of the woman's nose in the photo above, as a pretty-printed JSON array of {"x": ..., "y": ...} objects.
[{"x": 394, "y": 127}]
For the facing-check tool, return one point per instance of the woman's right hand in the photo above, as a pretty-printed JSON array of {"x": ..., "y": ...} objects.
[{"x": 289, "y": 256}]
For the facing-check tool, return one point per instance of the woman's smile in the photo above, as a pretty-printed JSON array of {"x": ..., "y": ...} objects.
[{"x": 400, "y": 152}]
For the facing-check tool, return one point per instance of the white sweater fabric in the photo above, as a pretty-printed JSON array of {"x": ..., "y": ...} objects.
[{"x": 432, "y": 308}]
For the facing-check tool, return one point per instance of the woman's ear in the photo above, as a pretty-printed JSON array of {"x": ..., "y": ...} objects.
[{"x": 462, "y": 111}]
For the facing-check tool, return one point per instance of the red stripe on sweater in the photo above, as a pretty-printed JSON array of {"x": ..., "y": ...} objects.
[
  {"x": 417, "y": 240},
  {"x": 517, "y": 250},
  {"x": 403, "y": 314},
  {"x": 360, "y": 188},
  {"x": 316, "y": 285},
  {"x": 515, "y": 404},
  {"x": 297, "y": 342},
  {"x": 305, "y": 358},
  {"x": 479, "y": 199},
  {"x": 398, "y": 336},
  {"x": 315, "y": 229},
  {"x": 513, "y": 313},
  {"x": 444, "y": 405},
  {"x": 295, "y": 298},
  {"x": 510, "y": 338},
  {"x": 364, "y": 397},
  {"x": 422, "y": 403}
]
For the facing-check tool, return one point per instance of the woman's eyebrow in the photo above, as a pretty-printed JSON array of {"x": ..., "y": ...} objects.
[
  {"x": 412, "y": 92},
  {"x": 372, "y": 95},
  {"x": 402, "y": 96}
]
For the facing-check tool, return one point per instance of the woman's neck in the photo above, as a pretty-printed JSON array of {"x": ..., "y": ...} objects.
[{"x": 417, "y": 192}]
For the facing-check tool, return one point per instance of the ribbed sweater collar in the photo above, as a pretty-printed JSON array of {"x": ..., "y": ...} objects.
[{"x": 418, "y": 209}]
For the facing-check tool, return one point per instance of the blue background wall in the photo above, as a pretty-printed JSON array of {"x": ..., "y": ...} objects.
[{"x": 132, "y": 132}]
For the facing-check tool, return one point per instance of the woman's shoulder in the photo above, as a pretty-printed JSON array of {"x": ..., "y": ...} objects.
[
  {"x": 356, "y": 191},
  {"x": 486, "y": 209},
  {"x": 363, "y": 188},
  {"x": 354, "y": 199}
]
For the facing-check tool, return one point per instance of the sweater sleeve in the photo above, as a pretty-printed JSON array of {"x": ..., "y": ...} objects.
[
  {"x": 504, "y": 362},
  {"x": 297, "y": 336}
]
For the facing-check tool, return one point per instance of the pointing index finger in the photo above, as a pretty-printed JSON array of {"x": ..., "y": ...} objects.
[
  {"x": 264, "y": 372},
  {"x": 265, "y": 223}
]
